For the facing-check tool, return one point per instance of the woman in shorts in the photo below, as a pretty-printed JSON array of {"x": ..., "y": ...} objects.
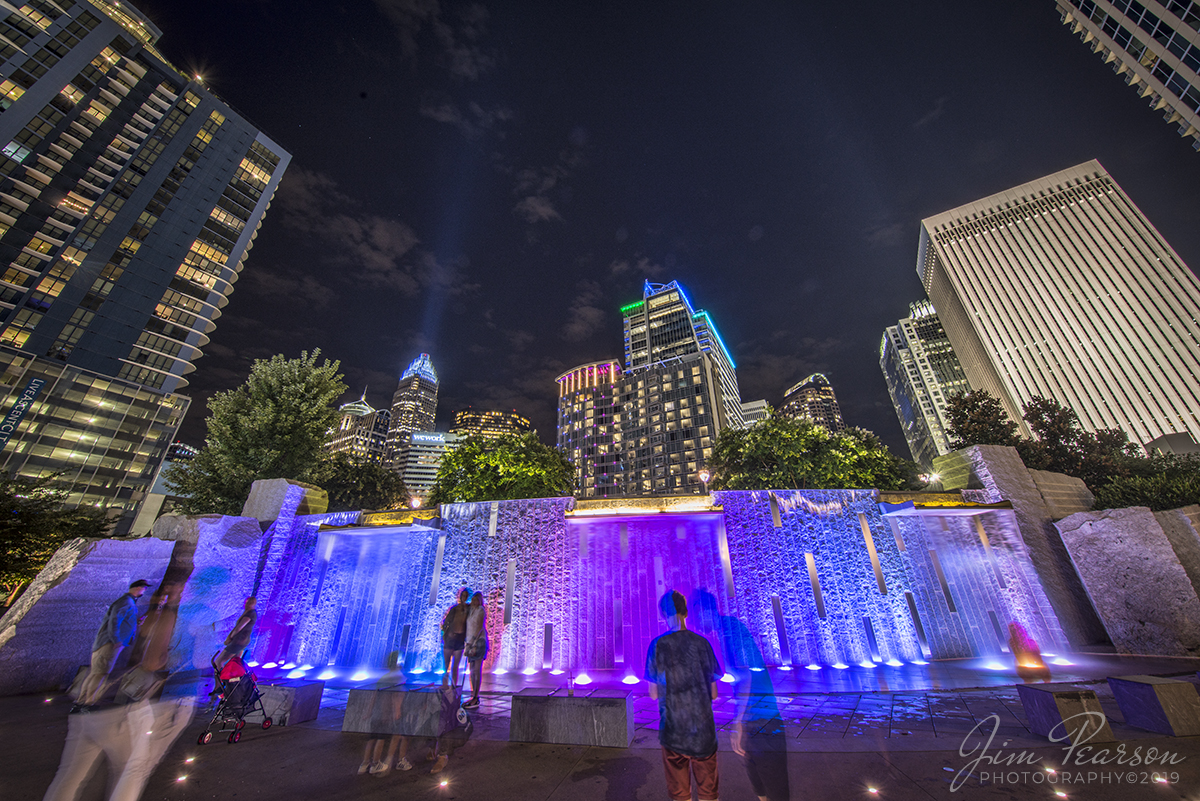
[{"x": 476, "y": 646}]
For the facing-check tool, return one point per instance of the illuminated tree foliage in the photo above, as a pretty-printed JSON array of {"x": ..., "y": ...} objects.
[
  {"x": 33, "y": 523},
  {"x": 502, "y": 469},
  {"x": 353, "y": 483},
  {"x": 273, "y": 426},
  {"x": 787, "y": 453},
  {"x": 1165, "y": 482}
]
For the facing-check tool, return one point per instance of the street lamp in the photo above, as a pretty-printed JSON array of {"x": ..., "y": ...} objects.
[{"x": 705, "y": 475}]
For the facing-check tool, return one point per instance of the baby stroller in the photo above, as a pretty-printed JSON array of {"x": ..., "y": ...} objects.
[{"x": 238, "y": 697}]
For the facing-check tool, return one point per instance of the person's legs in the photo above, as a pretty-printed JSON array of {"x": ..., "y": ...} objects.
[
  {"x": 705, "y": 771},
  {"x": 475, "y": 666},
  {"x": 679, "y": 781},
  {"x": 452, "y": 673},
  {"x": 104, "y": 659},
  {"x": 447, "y": 657}
]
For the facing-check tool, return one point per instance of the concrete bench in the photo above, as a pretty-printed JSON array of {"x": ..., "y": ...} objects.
[
  {"x": 1165, "y": 706},
  {"x": 1065, "y": 713},
  {"x": 401, "y": 709},
  {"x": 289, "y": 701},
  {"x": 601, "y": 717}
]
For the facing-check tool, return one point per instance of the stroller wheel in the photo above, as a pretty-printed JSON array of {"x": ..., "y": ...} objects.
[
  {"x": 233, "y": 738},
  {"x": 206, "y": 738},
  {"x": 267, "y": 723},
  {"x": 241, "y": 724}
]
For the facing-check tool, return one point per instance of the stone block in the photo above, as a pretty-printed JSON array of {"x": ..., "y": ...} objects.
[
  {"x": 49, "y": 630},
  {"x": 289, "y": 701},
  {"x": 1063, "y": 495},
  {"x": 415, "y": 712},
  {"x": 1182, "y": 529},
  {"x": 1065, "y": 713},
  {"x": 603, "y": 718},
  {"x": 1137, "y": 585},
  {"x": 272, "y": 498},
  {"x": 1166, "y": 706}
]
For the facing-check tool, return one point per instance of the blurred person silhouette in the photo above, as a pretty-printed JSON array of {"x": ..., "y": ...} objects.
[
  {"x": 1027, "y": 654},
  {"x": 238, "y": 639},
  {"x": 758, "y": 736},
  {"x": 116, "y": 633},
  {"x": 454, "y": 636},
  {"x": 385, "y": 714},
  {"x": 683, "y": 672},
  {"x": 476, "y": 647}
]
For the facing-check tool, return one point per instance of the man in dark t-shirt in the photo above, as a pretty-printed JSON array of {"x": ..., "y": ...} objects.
[{"x": 683, "y": 672}]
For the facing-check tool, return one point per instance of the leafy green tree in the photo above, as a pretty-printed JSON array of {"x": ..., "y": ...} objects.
[
  {"x": 273, "y": 426},
  {"x": 502, "y": 469},
  {"x": 787, "y": 453},
  {"x": 354, "y": 483},
  {"x": 1165, "y": 482},
  {"x": 978, "y": 418},
  {"x": 33, "y": 523}
]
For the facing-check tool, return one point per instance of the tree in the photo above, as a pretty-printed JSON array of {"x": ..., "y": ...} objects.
[
  {"x": 786, "y": 453},
  {"x": 34, "y": 523},
  {"x": 502, "y": 469},
  {"x": 978, "y": 418},
  {"x": 1060, "y": 444},
  {"x": 1165, "y": 482},
  {"x": 273, "y": 426},
  {"x": 354, "y": 483}
]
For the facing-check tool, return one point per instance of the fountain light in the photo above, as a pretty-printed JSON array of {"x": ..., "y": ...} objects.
[
  {"x": 556, "y": 672},
  {"x": 306, "y": 666},
  {"x": 840, "y": 665},
  {"x": 785, "y": 667},
  {"x": 757, "y": 670},
  {"x": 995, "y": 666},
  {"x": 728, "y": 678},
  {"x": 327, "y": 675},
  {"x": 297, "y": 674},
  {"x": 894, "y": 663},
  {"x": 360, "y": 676},
  {"x": 268, "y": 666},
  {"x": 251, "y": 664},
  {"x": 1062, "y": 661},
  {"x": 530, "y": 671},
  {"x": 289, "y": 666},
  {"x": 499, "y": 672},
  {"x": 813, "y": 666},
  {"x": 630, "y": 679},
  {"x": 919, "y": 662},
  {"x": 867, "y": 664},
  {"x": 583, "y": 678}
]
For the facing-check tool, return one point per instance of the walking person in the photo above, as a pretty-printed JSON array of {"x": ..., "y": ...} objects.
[
  {"x": 683, "y": 673},
  {"x": 476, "y": 647},
  {"x": 454, "y": 636},
  {"x": 116, "y": 633},
  {"x": 238, "y": 639}
]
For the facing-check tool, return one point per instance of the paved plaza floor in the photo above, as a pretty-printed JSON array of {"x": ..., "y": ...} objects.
[{"x": 910, "y": 742}]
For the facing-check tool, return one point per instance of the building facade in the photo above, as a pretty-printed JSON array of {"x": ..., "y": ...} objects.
[
  {"x": 130, "y": 196},
  {"x": 1061, "y": 288},
  {"x": 420, "y": 458},
  {"x": 678, "y": 391},
  {"x": 814, "y": 398},
  {"x": 489, "y": 425},
  {"x": 922, "y": 374},
  {"x": 414, "y": 406},
  {"x": 589, "y": 427},
  {"x": 754, "y": 411},
  {"x": 1153, "y": 46},
  {"x": 361, "y": 430}
]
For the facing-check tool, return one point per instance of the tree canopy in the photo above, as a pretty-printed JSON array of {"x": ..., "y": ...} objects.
[
  {"x": 34, "y": 523},
  {"x": 502, "y": 469},
  {"x": 273, "y": 426},
  {"x": 796, "y": 453},
  {"x": 354, "y": 483}
]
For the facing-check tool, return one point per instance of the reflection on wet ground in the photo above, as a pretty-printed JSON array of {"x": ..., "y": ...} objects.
[{"x": 909, "y": 705}]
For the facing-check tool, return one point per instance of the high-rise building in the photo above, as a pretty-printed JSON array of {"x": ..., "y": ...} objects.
[
  {"x": 922, "y": 374},
  {"x": 361, "y": 430},
  {"x": 754, "y": 411},
  {"x": 814, "y": 398},
  {"x": 678, "y": 391},
  {"x": 589, "y": 427},
  {"x": 420, "y": 458},
  {"x": 1153, "y": 45},
  {"x": 1061, "y": 288},
  {"x": 489, "y": 425},
  {"x": 129, "y": 199},
  {"x": 414, "y": 406}
]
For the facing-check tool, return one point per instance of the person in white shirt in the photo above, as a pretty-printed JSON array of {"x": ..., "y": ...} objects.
[{"x": 476, "y": 648}]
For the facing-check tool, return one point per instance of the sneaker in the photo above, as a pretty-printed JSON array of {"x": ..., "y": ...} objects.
[
  {"x": 403, "y": 764},
  {"x": 440, "y": 764},
  {"x": 379, "y": 767},
  {"x": 471, "y": 704},
  {"x": 363, "y": 768}
]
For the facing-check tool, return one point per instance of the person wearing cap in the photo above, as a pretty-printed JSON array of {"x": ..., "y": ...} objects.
[{"x": 116, "y": 634}]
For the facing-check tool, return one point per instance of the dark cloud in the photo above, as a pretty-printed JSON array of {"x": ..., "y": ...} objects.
[
  {"x": 585, "y": 316},
  {"x": 456, "y": 43}
]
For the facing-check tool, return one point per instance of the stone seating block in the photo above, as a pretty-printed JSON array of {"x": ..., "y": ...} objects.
[
  {"x": 603, "y": 717},
  {"x": 411, "y": 711},
  {"x": 289, "y": 701},
  {"x": 1065, "y": 713},
  {"x": 1160, "y": 705}
]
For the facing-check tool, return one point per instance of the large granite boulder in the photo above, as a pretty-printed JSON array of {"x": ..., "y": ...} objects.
[
  {"x": 1000, "y": 474},
  {"x": 47, "y": 634},
  {"x": 1137, "y": 585},
  {"x": 1182, "y": 529},
  {"x": 271, "y": 498}
]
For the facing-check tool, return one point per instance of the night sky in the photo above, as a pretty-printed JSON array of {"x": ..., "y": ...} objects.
[{"x": 491, "y": 182}]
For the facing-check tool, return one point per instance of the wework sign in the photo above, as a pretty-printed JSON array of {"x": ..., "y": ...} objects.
[{"x": 16, "y": 414}]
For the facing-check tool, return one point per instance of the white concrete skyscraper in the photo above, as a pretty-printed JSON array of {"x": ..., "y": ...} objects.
[{"x": 1062, "y": 288}]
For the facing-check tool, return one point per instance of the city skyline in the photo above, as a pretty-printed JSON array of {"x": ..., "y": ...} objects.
[{"x": 493, "y": 186}]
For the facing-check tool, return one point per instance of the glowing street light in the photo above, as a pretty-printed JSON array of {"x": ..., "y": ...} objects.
[{"x": 705, "y": 475}]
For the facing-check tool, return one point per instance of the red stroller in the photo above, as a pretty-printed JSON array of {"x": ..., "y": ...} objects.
[{"x": 239, "y": 697}]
